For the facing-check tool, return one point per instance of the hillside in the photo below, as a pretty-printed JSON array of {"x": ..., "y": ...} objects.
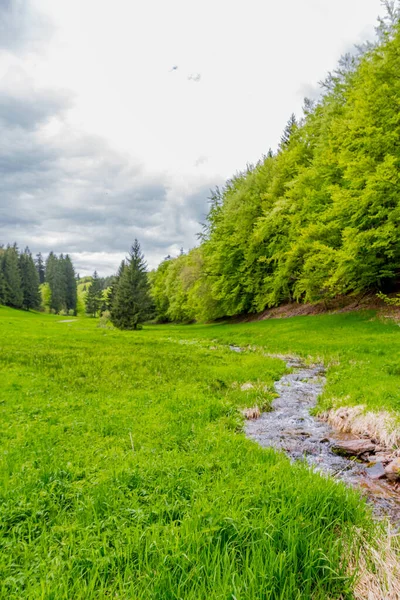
[{"x": 317, "y": 219}]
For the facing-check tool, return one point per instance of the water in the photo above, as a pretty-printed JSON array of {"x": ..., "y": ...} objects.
[{"x": 291, "y": 428}]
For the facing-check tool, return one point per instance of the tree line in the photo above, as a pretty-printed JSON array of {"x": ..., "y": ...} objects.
[
  {"x": 317, "y": 218},
  {"x": 52, "y": 284},
  {"x": 34, "y": 283},
  {"x": 19, "y": 280}
]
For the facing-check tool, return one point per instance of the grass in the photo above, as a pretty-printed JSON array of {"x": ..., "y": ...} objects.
[
  {"x": 361, "y": 351},
  {"x": 124, "y": 472}
]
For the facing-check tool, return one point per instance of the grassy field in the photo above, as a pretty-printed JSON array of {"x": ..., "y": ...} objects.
[
  {"x": 361, "y": 351},
  {"x": 124, "y": 472}
]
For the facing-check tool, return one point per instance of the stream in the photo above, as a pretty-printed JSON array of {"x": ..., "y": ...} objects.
[{"x": 291, "y": 428}]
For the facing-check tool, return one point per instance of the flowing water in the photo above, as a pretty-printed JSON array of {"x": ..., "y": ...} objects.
[{"x": 291, "y": 428}]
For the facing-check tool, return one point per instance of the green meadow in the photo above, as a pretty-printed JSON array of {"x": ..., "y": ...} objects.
[{"x": 125, "y": 473}]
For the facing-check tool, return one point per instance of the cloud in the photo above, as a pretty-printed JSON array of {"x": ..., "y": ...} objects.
[
  {"x": 310, "y": 91},
  {"x": 65, "y": 190},
  {"x": 23, "y": 105},
  {"x": 21, "y": 25},
  {"x": 70, "y": 191}
]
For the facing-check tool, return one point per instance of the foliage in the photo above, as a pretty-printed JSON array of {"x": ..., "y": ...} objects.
[
  {"x": 40, "y": 266},
  {"x": 94, "y": 296},
  {"x": 130, "y": 300},
  {"x": 181, "y": 291},
  {"x": 13, "y": 294},
  {"x": 390, "y": 301},
  {"x": 60, "y": 276},
  {"x": 105, "y": 320},
  {"x": 70, "y": 283},
  {"x": 19, "y": 281},
  {"x": 318, "y": 219},
  {"x": 124, "y": 472},
  {"x": 45, "y": 294},
  {"x": 29, "y": 281}
]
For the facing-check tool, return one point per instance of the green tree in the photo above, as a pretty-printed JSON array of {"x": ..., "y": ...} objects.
[
  {"x": 2, "y": 280},
  {"x": 132, "y": 302},
  {"x": 113, "y": 287},
  {"x": 39, "y": 262},
  {"x": 45, "y": 294},
  {"x": 94, "y": 296},
  {"x": 70, "y": 284},
  {"x": 60, "y": 275},
  {"x": 29, "y": 280},
  {"x": 12, "y": 277},
  {"x": 289, "y": 130},
  {"x": 56, "y": 279},
  {"x": 317, "y": 219}
]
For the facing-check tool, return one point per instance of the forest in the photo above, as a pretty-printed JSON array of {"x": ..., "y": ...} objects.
[
  {"x": 317, "y": 219},
  {"x": 30, "y": 283}
]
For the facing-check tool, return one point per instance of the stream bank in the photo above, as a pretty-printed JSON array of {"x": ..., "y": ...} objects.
[{"x": 290, "y": 427}]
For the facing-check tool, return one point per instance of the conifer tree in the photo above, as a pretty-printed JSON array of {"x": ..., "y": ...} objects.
[
  {"x": 114, "y": 285},
  {"x": 29, "y": 280},
  {"x": 56, "y": 278},
  {"x": 60, "y": 275},
  {"x": 40, "y": 267},
  {"x": 51, "y": 263},
  {"x": 132, "y": 303},
  {"x": 94, "y": 296},
  {"x": 2, "y": 289},
  {"x": 70, "y": 284},
  {"x": 2, "y": 280},
  {"x": 12, "y": 277},
  {"x": 290, "y": 128}
]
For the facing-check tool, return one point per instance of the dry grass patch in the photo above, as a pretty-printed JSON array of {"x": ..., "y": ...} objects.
[
  {"x": 251, "y": 414},
  {"x": 384, "y": 427},
  {"x": 379, "y": 570}
]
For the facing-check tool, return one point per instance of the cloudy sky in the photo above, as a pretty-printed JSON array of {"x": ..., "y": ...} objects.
[{"x": 118, "y": 116}]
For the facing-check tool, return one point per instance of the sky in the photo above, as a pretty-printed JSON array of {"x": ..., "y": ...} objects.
[{"x": 118, "y": 117}]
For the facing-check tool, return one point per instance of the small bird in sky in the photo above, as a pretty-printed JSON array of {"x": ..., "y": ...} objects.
[{"x": 174, "y": 68}]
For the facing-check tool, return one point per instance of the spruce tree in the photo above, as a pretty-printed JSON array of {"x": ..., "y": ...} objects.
[
  {"x": 29, "y": 280},
  {"x": 70, "y": 284},
  {"x": 12, "y": 277},
  {"x": 2, "y": 280},
  {"x": 55, "y": 277},
  {"x": 59, "y": 292},
  {"x": 94, "y": 296},
  {"x": 290, "y": 128},
  {"x": 114, "y": 285},
  {"x": 39, "y": 262},
  {"x": 51, "y": 265},
  {"x": 132, "y": 303}
]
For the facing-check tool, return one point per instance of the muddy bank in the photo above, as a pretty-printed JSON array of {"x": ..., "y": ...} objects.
[
  {"x": 291, "y": 428},
  {"x": 340, "y": 304}
]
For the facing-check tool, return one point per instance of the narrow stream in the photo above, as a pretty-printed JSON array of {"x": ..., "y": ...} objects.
[{"x": 291, "y": 428}]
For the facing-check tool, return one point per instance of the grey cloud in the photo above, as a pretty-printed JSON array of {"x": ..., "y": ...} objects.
[
  {"x": 16, "y": 111},
  {"x": 67, "y": 191},
  {"x": 21, "y": 25},
  {"x": 307, "y": 90},
  {"x": 72, "y": 192}
]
